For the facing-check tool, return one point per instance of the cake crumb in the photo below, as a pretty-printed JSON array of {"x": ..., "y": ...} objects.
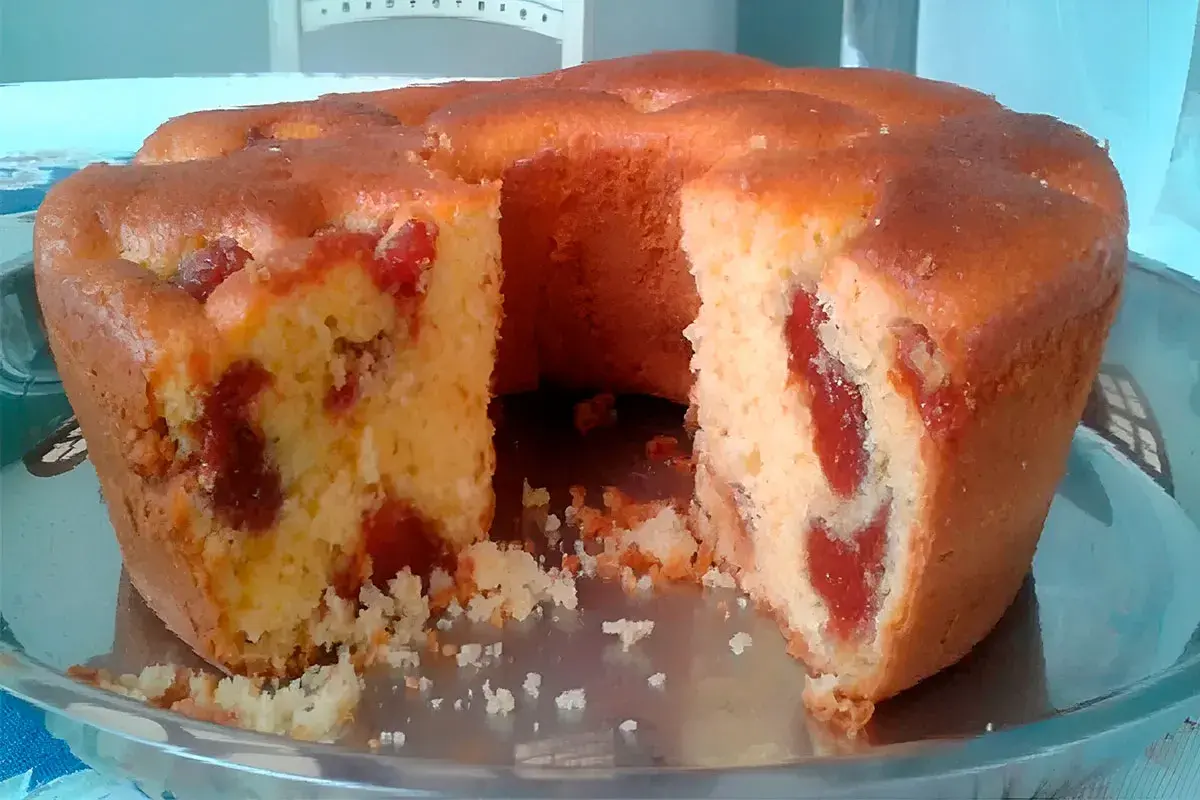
[
  {"x": 424, "y": 684},
  {"x": 740, "y": 642},
  {"x": 392, "y": 738},
  {"x": 572, "y": 700},
  {"x": 715, "y": 579},
  {"x": 742, "y": 603},
  {"x": 469, "y": 654},
  {"x": 588, "y": 564},
  {"x": 509, "y": 583},
  {"x": 403, "y": 657},
  {"x": 311, "y": 708},
  {"x": 534, "y": 498},
  {"x": 657, "y": 680},
  {"x": 499, "y": 701},
  {"x": 533, "y": 684},
  {"x": 458, "y": 704},
  {"x": 628, "y": 726},
  {"x": 664, "y": 537},
  {"x": 628, "y": 631},
  {"x": 435, "y": 703},
  {"x": 989, "y": 727},
  {"x": 553, "y": 523}
]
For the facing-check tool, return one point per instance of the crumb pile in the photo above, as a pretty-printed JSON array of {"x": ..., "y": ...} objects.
[
  {"x": 640, "y": 544},
  {"x": 629, "y": 631},
  {"x": 311, "y": 708},
  {"x": 493, "y": 582}
]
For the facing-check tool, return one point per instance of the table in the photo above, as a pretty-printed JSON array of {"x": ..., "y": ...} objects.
[{"x": 39, "y": 144}]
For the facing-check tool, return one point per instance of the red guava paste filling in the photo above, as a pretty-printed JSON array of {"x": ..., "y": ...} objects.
[
  {"x": 327, "y": 249},
  {"x": 340, "y": 399},
  {"x": 835, "y": 402},
  {"x": 398, "y": 269},
  {"x": 943, "y": 408},
  {"x": 243, "y": 486},
  {"x": 203, "y": 270},
  {"x": 846, "y": 574},
  {"x": 395, "y": 536}
]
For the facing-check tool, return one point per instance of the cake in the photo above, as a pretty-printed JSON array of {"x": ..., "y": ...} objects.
[{"x": 885, "y": 299}]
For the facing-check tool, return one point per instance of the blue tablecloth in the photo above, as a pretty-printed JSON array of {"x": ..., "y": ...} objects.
[{"x": 33, "y": 764}]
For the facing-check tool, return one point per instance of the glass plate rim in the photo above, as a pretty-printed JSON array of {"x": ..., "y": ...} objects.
[{"x": 1128, "y": 706}]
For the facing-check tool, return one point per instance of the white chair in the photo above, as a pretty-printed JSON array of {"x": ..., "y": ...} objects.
[{"x": 569, "y": 22}]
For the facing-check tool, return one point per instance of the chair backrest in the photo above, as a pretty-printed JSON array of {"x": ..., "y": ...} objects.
[{"x": 567, "y": 21}]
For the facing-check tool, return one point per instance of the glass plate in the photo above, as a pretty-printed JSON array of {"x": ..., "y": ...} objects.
[{"x": 1097, "y": 659}]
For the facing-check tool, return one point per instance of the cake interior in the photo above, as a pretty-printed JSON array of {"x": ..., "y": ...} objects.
[
  {"x": 809, "y": 468},
  {"x": 339, "y": 442}
]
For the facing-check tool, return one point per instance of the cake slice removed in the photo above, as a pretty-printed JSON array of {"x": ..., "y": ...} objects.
[
  {"x": 293, "y": 408},
  {"x": 890, "y": 362}
]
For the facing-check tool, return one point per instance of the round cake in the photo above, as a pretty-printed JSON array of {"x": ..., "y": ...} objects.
[{"x": 885, "y": 299}]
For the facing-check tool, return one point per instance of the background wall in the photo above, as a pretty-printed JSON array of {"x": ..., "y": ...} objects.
[
  {"x": 792, "y": 33},
  {"x": 65, "y": 39},
  {"x": 71, "y": 39}
]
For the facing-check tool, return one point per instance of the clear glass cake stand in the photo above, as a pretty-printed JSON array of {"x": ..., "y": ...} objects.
[{"x": 1098, "y": 658}]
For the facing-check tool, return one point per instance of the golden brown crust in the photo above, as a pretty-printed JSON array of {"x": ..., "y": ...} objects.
[
  {"x": 206, "y": 134},
  {"x": 1002, "y": 234},
  {"x": 412, "y": 105},
  {"x": 988, "y": 228},
  {"x": 105, "y": 321},
  {"x": 894, "y": 98},
  {"x": 965, "y": 567},
  {"x": 655, "y": 81},
  {"x": 263, "y": 196}
]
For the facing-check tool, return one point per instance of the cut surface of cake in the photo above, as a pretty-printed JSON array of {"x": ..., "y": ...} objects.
[
  {"x": 885, "y": 299},
  {"x": 877, "y": 450},
  {"x": 287, "y": 391}
]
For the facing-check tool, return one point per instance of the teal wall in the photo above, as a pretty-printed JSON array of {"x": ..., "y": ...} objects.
[
  {"x": 792, "y": 33},
  {"x": 70, "y": 39}
]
